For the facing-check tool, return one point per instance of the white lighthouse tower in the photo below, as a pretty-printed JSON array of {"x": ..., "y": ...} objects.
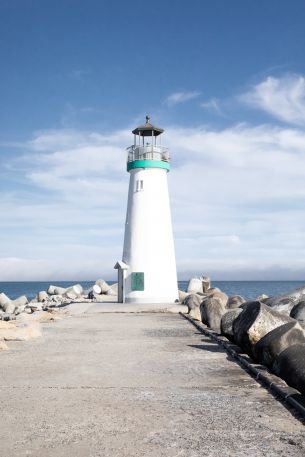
[{"x": 147, "y": 273}]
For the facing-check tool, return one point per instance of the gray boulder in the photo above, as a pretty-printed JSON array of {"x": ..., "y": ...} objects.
[
  {"x": 96, "y": 289},
  {"x": 219, "y": 295},
  {"x": 19, "y": 309},
  {"x": 51, "y": 289},
  {"x": 194, "y": 286},
  {"x": 9, "y": 307},
  {"x": 298, "y": 311},
  {"x": 42, "y": 296},
  {"x": 206, "y": 283},
  {"x": 103, "y": 285},
  {"x": 182, "y": 295},
  {"x": 290, "y": 366},
  {"x": 283, "y": 306},
  {"x": 284, "y": 303},
  {"x": 73, "y": 292},
  {"x": 113, "y": 289},
  {"x": 276, "y": 341},
  {"x": 211, "y": 311},
  {"x": 193, "y": 301},
  {"x": 4, "y": 299},
  {"x": 254, "y": 323},
  {"x": 36, "y": 307},
  {"x": 212, "y": 290},
  {"x": 58, "y": 291},
  {"x": 226, "y": 324},
  {"x": 235, "y": 301},
  {"x": 262, "y": 297}
]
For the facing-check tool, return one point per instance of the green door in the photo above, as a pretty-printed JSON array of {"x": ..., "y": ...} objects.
[{"x": 137, "y": 281}]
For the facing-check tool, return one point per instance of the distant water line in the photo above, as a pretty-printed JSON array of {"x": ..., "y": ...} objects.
[{"x": 248, "y": 289}]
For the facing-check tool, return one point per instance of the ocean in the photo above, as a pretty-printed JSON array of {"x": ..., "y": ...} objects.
[{"x": 248, "y": 289}]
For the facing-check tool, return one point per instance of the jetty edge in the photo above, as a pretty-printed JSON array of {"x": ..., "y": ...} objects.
[{"x": 271, "y": 330}]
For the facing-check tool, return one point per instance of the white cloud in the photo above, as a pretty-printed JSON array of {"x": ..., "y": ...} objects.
[
  {"x": 180, "y": 97},
  {"x": 212, "y": 104},
  {"x": 283, "y": 98},
  {"x": 237, "y": 202}
]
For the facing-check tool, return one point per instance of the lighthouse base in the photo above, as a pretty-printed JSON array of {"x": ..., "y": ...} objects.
[{"x": 139, "y": 300}]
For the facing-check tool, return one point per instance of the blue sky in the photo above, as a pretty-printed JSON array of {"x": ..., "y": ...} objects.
[{"x": 226, "y": 81}]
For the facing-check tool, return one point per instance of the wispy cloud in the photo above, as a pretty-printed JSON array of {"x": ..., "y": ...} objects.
[
  {"x": 283, "y": 98},
  {"x": 212, "y": 104},
  {"x": 180, "y": 97}
]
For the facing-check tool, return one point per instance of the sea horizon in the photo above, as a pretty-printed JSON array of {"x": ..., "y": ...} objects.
[{"x": 249, "y": 289}]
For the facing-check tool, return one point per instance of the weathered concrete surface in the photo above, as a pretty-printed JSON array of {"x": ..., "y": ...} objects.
[
  {"x": 115, "y": 307},
  {"x": 99, "y": 385}
]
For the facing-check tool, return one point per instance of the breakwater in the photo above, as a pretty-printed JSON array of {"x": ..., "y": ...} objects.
[{"x": 269, "y": 329}]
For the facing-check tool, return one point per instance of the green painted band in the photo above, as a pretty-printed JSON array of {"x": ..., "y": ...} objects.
[{"x": 148, "y": 164}]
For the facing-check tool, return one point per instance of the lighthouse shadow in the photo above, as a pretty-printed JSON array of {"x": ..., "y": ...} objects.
[{"x": 210, "y": 347}]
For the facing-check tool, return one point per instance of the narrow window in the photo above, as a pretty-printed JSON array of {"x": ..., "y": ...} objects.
[{"x": 139, "y": 185}]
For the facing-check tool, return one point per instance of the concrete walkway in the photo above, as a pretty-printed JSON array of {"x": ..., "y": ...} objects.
[{"x": 99, "y": 385}]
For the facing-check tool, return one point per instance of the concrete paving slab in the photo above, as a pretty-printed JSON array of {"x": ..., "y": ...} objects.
[
  {"x": 115, "y": 307},
  {"x": 123, "y": 385}
]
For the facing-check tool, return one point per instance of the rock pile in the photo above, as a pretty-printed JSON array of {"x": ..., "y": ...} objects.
[
  {"x": 270, "y": 329},
  {"x": 54, "y": 297},
  {"x": 20, "y": 319}
]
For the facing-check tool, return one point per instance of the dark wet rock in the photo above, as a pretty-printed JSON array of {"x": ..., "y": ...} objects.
[
  {"x": 298, "y": 311},
  {"x": 255, "y": 322},
  {"x": 235, "y": 301},
  {"x": 273, "y": 343},
  {"x": 227, "y": 320},
  {"x": 249, "y": 303},
  {"x": 91, "y": 295},
  {"x": 290, "y": 366},
  {"x": 193, "y": 301}
]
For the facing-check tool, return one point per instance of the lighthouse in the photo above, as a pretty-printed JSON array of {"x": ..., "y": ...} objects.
[{"x": 147, "y": 272}]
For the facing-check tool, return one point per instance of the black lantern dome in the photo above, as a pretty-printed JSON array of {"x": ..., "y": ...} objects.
[{"x": 147, "y": 129}]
